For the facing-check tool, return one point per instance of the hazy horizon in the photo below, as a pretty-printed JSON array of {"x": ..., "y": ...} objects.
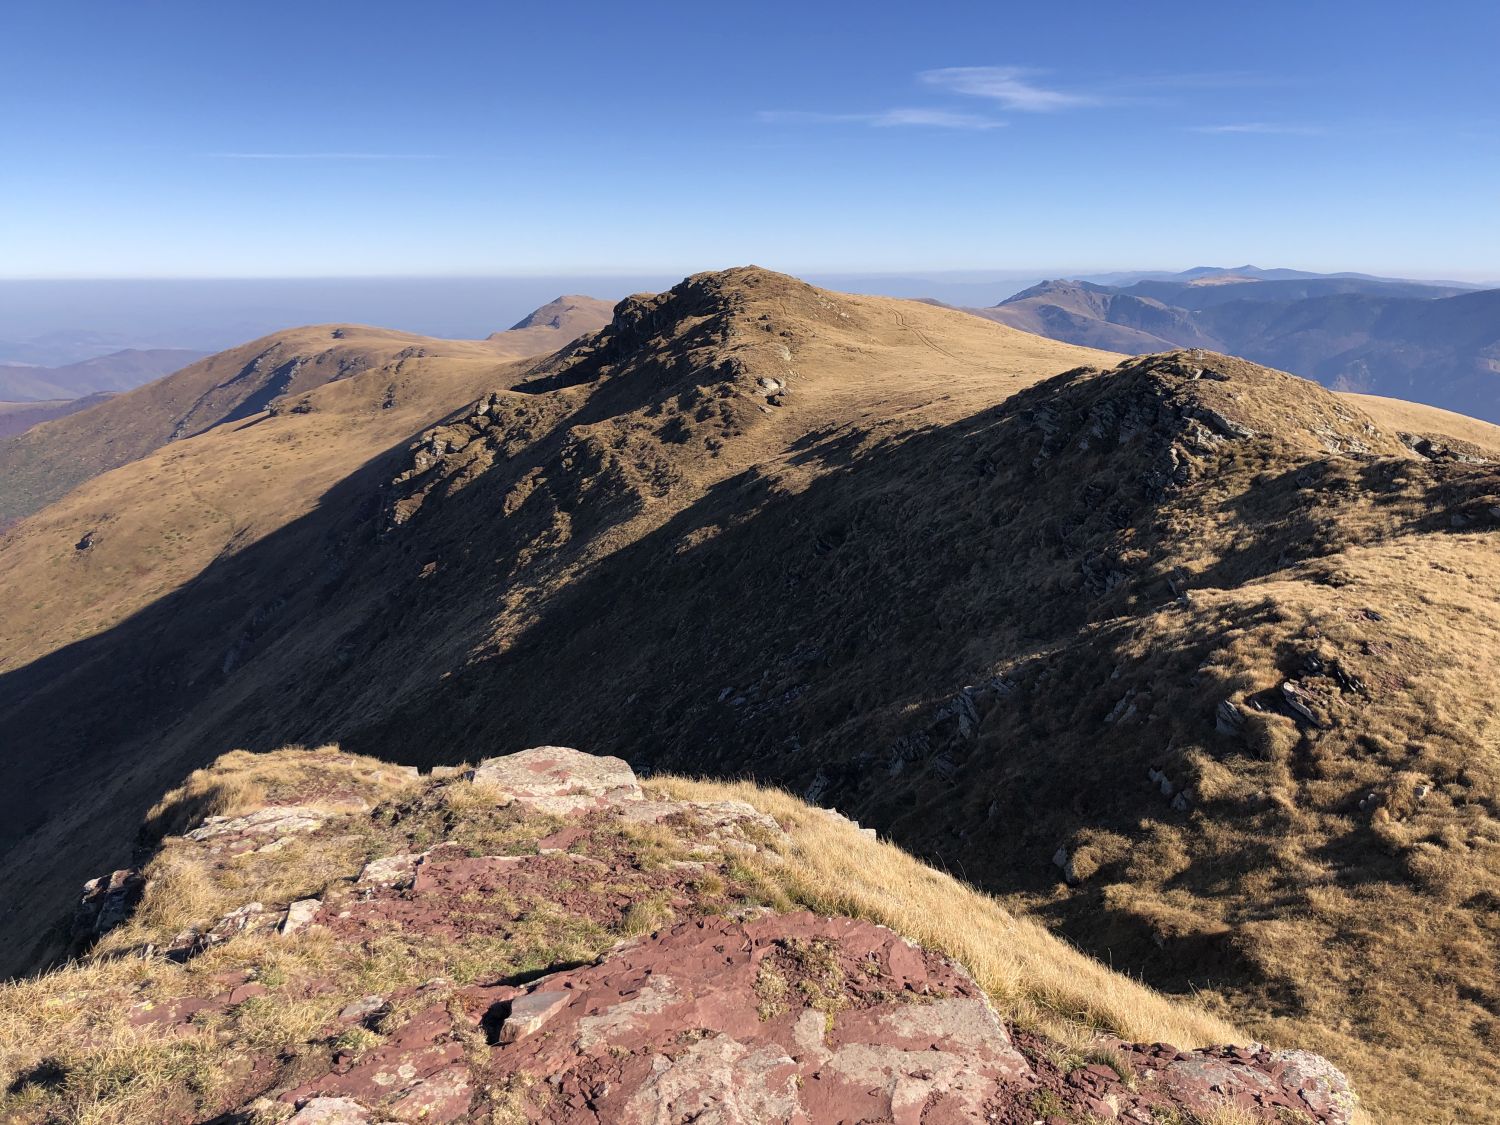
[{"x": 64, "y": 320}]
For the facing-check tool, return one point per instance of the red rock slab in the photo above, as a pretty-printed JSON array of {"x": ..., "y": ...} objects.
[
  {"x": 692, "y": 1024},
  {"x": 419, "y": 1073},
  {"x": 1269, "y": 1087},
  {"x": 176, "y": 1017},
  {"x": 1260, "y": 1080},
  {"x": 454, "y": 895}
]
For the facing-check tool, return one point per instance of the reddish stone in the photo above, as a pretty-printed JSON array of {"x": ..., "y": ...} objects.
[
  {"x": 419, "y": 1071},
  {"x": 713, "y": 1016}
]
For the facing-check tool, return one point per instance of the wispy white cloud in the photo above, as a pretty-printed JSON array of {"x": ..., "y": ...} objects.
[
  {"x": 1263, "y": 128},
  {"x": 1017, "y": 89},
  {"x": 1013, "y": 87},
  {"x": 886, "y": 119},
  {"x": 324, "y": 155}
]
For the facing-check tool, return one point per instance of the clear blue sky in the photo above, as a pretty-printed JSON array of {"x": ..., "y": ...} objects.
[{"x": 331, "y": 137}]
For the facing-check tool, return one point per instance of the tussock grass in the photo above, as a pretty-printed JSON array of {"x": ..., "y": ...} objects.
[
  {"x": 1034, "y": 978},
  {"x": 240, "y": 782}
]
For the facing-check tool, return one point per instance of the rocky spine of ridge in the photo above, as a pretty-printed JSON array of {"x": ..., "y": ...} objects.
[
  {"x": 689, "y": 996},
  {"x": 671, "y": 379}
]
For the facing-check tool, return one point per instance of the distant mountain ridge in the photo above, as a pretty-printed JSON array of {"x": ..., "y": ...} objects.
[
  {"x": 1434, "y": 344},
  {"x": 1256, "y": 273},
  {"x": 118, "y": 371}
]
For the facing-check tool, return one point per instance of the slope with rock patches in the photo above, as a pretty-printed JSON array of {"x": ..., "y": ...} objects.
[
  {"x": 855, "y": 546},
  {"x": 40, "y": 466},
  {"x": 170, "y": 637}
]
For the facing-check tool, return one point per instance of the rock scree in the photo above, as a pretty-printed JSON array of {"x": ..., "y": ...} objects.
[{"x": 617, "y": 966}]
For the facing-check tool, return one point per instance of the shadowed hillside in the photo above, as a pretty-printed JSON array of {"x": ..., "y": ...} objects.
[{"x": 1183, "y": 654}]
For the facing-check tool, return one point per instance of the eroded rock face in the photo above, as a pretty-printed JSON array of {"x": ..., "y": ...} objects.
[
  {"x": 781, "y": 1018},
  {"x": 106, "y": 902}
]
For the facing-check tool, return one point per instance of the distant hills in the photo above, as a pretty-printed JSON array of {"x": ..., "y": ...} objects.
[
  {"x": 1432, "y": 343},
  {"x": 43, "y": 463},
  {"x": 117, "y": 371},
  {"x": 18, "y": 417}
]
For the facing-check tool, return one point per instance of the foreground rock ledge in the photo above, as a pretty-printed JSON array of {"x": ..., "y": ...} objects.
[{"x": 739, "y": 1015}]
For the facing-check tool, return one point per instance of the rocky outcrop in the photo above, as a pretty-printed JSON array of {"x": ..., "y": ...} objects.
[
  {"x": 780, "y": 1018},
  {"x": 664, "y": 986},
  {"x": 558, "y": 780}
]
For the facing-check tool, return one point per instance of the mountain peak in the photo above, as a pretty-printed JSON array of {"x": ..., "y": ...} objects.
[
  {"x": 565, "y": 312},
  {"x": 1054, "y": 287}
]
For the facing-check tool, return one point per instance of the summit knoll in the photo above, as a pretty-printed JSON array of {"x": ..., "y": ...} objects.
[{"x": 1190, "y": 658}]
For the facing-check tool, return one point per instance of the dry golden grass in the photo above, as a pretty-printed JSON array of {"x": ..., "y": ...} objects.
[
  {"x": 1035, "y": 978},
  {"x": 241, "y": 782},
  {"x": 1394, "y": 414}
]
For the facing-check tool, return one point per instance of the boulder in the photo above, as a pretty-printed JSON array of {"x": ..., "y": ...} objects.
[
  {"x": 299, "y": 915},
  {"x": 558, "y": 780},
  {"x": 330, "y": 1111},
  {"x": 107, "y": 901}
]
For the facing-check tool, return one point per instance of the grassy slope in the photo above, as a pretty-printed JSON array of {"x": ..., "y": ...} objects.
[
  {"x": 159, "y": 521},
  {"x": 1415, "y": 418}
]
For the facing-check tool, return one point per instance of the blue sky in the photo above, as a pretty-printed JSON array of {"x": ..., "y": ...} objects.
[{"x": 332, "y": 138}]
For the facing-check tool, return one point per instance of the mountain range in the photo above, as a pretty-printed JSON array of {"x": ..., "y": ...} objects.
[
  {"x": 1413, "y": 340},
  {"x": 1184, "y": 656}
]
